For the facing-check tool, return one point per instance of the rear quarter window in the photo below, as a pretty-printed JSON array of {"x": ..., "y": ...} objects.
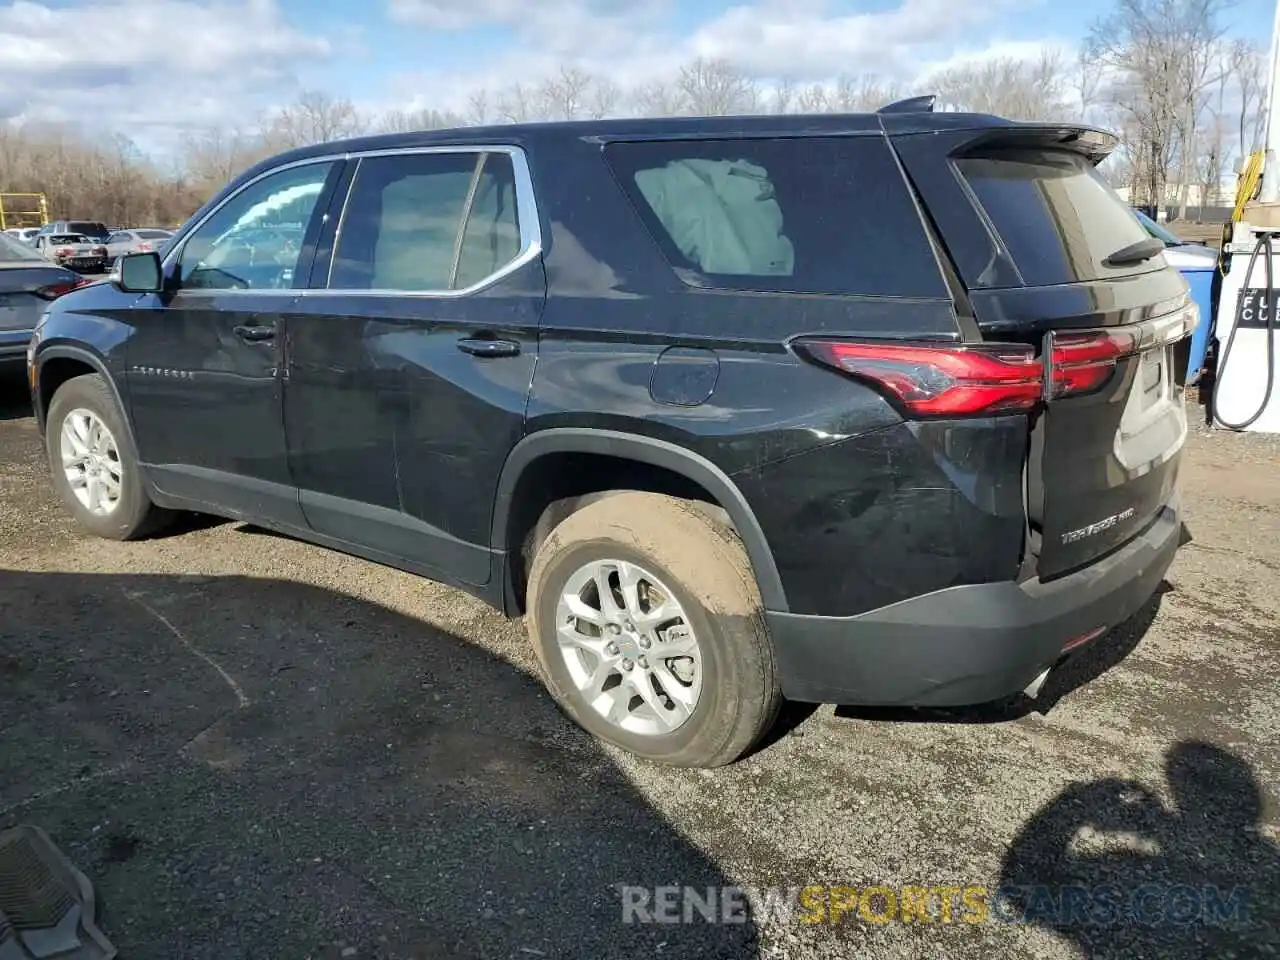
[
  {"x": 815, "y": 215},
  {"x": 1055, "y": 214}
]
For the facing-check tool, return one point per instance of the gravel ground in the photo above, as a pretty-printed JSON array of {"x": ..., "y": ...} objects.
[{"x": 258, "y": 748}]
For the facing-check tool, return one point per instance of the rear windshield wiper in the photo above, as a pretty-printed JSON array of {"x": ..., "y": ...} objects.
[{"x": 1136, "y": 252}]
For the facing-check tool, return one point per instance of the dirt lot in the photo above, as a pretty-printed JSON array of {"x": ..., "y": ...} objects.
[{"x": 257, "y": 748}]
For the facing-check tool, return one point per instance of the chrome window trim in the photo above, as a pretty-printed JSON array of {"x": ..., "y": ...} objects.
[{"x": 526, "y": 212}]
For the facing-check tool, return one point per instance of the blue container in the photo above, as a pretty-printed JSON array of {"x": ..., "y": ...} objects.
[{"x": 1201, "y": 283}]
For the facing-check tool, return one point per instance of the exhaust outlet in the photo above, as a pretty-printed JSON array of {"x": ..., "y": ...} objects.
[{"x": 1032, "y": 689}]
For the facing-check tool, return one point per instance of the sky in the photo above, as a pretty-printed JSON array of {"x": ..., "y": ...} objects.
[{"x": 151, "y": 69}]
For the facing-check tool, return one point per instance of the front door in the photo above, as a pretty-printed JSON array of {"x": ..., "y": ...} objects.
[
  {"x": 410, "y": 359},
  {"x": 204, "y": 359}
]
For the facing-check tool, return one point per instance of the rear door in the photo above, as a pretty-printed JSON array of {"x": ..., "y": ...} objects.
[
  {"x": 1040, "y": 241},
  {"x": 409, "y": 360}
]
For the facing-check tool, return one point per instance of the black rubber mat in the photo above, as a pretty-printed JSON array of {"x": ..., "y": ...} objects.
[{"x": 46, "y": 904}]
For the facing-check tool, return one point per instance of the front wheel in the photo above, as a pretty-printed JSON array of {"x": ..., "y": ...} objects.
[
  {"x": 95, "y": 468},
  {"x": 645, "y": 615}
]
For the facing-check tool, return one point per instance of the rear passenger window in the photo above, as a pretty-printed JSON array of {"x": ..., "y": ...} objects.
[
  {"x": 424, "y": 222},
  {"x": 825, "y": 215}
]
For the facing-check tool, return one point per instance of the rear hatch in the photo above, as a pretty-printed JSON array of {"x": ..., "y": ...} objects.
[{"x": 1051, "y": 256}]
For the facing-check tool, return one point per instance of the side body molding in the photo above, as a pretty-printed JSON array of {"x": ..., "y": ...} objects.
[{"x": 658, "y": 453}]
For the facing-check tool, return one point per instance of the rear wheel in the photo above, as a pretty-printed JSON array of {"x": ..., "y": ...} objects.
[
  {"x": 646, "y": 618},
  {"x": 95, "y": 468}
]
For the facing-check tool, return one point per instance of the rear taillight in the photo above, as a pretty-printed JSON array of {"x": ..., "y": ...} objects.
[
  {"x": 99, "y": 251},
  {"x": 1084, "y": 362},
  {"x": 55, "y": 290},
  {"x": 939, "y": 380},
  {"x": 65, "y": 252},
  {"x": 144, "y": 247}
]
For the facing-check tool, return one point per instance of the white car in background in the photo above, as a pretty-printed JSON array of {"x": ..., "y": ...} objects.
[
  {"x": 139, "y": 240},
  {"x": 1180, "y": 254},
  {"x": 23, "y": 234}
]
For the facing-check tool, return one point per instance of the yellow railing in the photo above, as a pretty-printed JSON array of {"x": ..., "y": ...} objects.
[{"x": 23, "y": 210}]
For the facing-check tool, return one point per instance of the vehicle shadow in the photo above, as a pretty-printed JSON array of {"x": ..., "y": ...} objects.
[
  {"x": 15, "y": 398},
  {"x": 1076, "y": 671},
  {"x": 1112, "y": 868},
  {"x": 261, "y": 768}
]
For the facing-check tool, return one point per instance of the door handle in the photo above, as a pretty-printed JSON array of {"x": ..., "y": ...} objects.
[
  {"x": 255, "y": 334},
  {"x": 488, "y": 348}
]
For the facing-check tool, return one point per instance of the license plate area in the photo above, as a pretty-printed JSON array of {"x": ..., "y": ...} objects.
[
  {"x": 1153, "y": 426},
  {"x": 1153, "y": 378}
]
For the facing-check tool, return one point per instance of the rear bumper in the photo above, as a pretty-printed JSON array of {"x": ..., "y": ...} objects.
[
  {"x": 13, "y": 346},
  {"x": 969, "y": 644}
]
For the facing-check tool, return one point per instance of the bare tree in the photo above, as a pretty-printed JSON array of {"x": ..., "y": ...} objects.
[
  {"x": 783, "y": 96},
  {"x": 406, "y": 121},
  {"x": 315, "y": 117},
  {"x": 1008, "y": 87},
  {"x": 716, "y": 88},
  {"x": 1160, "y": 53},
  {"x": 517, "y": 104},
  {"x": 1246, "y": 63},
  {"x": 564, "y": 96},
  {"x": 478, "y": 107},
  {"x": 657, "y": 99},
  {"x": 814, "y": 98},
  {"x": 603, "y": 98}
]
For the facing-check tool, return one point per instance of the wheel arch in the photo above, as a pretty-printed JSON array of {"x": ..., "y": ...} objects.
[
  {"x": 57, "y": 364},
  {"x": 520, "y": 502}
]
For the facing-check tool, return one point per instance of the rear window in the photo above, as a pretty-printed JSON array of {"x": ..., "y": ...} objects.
[
  {"x": 824, "y": 215},
  {"x": 1058, "y": 218},
  {"x": 154, "y": 234}
]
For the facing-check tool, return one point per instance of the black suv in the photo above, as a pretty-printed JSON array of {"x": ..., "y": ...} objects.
[{"x": 873, "y": 409}]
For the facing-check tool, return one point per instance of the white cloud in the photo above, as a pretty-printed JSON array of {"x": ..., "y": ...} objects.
[
  {"x": 140, "y": 66},
  {"x": 804, "y": 40}
]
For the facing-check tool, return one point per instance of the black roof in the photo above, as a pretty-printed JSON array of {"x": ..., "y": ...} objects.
[{"x": 647, "y": 128}]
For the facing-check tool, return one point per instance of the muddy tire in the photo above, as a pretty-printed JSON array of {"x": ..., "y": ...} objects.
[
  {"x": 647, "y": 621},
  {"x": 94, "y": 465}
]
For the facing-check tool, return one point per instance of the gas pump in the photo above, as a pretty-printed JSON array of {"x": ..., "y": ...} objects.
[
  {"x": 1238, "y": 381},
  {"x": 1244, "y": 351}
]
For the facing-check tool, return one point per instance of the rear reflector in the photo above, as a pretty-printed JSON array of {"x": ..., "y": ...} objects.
[
  {"x": 939, "y": 380},
  {"x": 1081, "y": 640}
]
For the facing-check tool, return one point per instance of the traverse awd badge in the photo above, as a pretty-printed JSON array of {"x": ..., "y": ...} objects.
[{"x": 1071, "y": 536}]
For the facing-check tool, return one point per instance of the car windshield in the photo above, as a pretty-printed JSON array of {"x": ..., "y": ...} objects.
[{"x": 13, "y": 250}]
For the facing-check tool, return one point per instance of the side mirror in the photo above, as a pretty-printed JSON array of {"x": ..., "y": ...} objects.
[{"x": 141, "y": 273}]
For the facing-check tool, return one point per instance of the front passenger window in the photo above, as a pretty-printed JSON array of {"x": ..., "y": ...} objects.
[{"x": 254, "y": 240}]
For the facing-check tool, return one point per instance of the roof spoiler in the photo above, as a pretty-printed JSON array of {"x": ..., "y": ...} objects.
[
  {"x": 1093, "y": 144},
  {"x": 922, "y": 104}
]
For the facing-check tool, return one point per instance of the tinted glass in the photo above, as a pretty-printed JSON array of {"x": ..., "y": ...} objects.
[
  {"x": 1058, "y": 218},
  {"x": 13, "y": 250},
  {"x": 254, "y": 240},
  {"x": 491, "y": 239},
  {"x": 67, "y": 238},
  {"x": 1153, "y": 228},
  {"x": 153, "y": 234},
  {"x": 90, "y": 228},
  {"x": 400, "y": 229},
  {"x": 806, "y": 215}
]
